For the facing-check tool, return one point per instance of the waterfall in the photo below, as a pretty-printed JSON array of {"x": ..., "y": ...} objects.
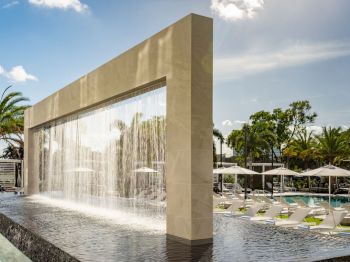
[{"x": 111, "y": 156}]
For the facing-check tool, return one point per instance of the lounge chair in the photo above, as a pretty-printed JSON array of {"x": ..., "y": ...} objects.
[
  {"x": 300, "y": 202},
  {"x": 246, "y": 201},
  {"x": 235, "y": 205},
  {"x": 227, "y": 196},
  {"x": 238, "y": 196},
  {"x": 221, "y": 199},
  {"x": 252, "y": 210},
  {"x": 267, "y": 200},
  {"x": 293, "y": 220},
  {"x": 329, "y": 208},
  {"x": 286, "y": 203},
  {"x": 217, "y": 201},
  {"x": 256, "y": 199},
  {"x": 331, "y": 221},
  {"x": 346, "y": 207},
  {"x": 224, "y": 189},
  {"x": 271, "y": 213},
  {"x": 239, "y": 189}
]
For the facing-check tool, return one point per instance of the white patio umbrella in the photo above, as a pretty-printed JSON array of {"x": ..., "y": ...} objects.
[
  {"x": 218, "y": 170},
  {"x": 280, "y": 171},
  {"x": 327, "y": 171},
  {"x": 236, "y": 170}
]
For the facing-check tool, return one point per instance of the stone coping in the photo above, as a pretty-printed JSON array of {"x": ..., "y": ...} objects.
[{"x": 33, "y": 246}]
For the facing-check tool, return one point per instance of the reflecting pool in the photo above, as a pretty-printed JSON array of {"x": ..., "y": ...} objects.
[{"x": 102, "y": 238}]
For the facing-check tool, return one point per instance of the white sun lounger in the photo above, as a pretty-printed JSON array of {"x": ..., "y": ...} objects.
[
  {"x": 287, "y": 204},
  {"x": 271, "y": 213},
  {"x": 300, "y": 202},
  {"x": 328, "y": 207},
  {"x": 238, "y": 196},
  {"x": 234, "y": 208},
  {"x": 295, "y": 219},
  {"x": 331, "y": 221},
  {"x": 252, "y": 210},
  {"x": 266, "y": 200},
  {"x": 315, "y": 210},
  {"x": 217, "y": 201}
]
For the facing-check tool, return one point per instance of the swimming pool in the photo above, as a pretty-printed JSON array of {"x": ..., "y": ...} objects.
[
  {"x": 313, "y": 200},
  {"x": 90, "y": 238}
]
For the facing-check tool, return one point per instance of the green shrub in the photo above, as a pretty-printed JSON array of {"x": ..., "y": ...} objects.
[{"x": 229, "y": 179}]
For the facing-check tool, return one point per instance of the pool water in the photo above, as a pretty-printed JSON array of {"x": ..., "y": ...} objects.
[
  {"x": 313, "y": 200},
  {"x": 91, "y": 238}
]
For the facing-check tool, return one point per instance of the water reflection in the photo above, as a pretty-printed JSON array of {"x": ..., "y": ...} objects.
[{"x": 176, "y": 251}]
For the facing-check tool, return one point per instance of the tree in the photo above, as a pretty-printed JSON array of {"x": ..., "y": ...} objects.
[
  {"x": 12, "y": 152},
  {"x": 333, "y": 146},
  {"x": 217, "y": 133},
  {"x": 248, "y": 142},
  {"x": 12, "y": 118},
  {"x": 284, "y": 124},
  {"x": 302, "y": 146}
]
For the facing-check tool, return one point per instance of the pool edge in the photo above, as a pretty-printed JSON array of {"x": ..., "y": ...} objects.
[{"x": 30, "y": 244}]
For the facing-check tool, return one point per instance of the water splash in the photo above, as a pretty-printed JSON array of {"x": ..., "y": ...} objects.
[
  {"x": 111, "y": 157},
  {"x": 111, "y": 216}
]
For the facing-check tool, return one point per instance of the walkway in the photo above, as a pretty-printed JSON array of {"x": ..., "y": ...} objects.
[{"x": 9, "y": 253}]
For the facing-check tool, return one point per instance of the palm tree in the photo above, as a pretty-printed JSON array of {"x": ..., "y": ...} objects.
[
  {"x": 332, "y": 146},
  {"x": 303, "y": 147},
  {"x": 248, "y": 142},
  {"x": 11, "y": 152},
  {"x": 12, "y": 118},
  {"x": 217, "y": 133}
]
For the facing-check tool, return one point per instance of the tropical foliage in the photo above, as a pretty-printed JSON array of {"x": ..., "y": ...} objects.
[
  {"x": 12, "y": 120},
  {"x": 284, "y": 136},
  {"x": 219, "y": 136}
]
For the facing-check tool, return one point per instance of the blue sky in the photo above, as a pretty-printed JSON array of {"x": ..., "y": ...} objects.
[{"x": 267, "y": 53}]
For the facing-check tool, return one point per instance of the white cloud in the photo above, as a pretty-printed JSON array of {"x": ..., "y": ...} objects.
[
  {"x": 316, "y": 130},
  {"x": 17, "y": 74},
  {"x": 76, "y": 5},
  {"x": 10, "y": 4},
  {"x": 235, "y": 66},
  {"x": 226, "y": 123},
  {"x": 344, "y": 127},
  {"x": 232, "y": 10},
  {"x": 240, "y": 122}
]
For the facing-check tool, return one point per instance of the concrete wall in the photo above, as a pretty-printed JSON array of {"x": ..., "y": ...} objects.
[{"x": 180, "y": 55}]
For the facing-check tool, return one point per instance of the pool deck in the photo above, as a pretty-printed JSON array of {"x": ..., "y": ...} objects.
[
  {"x": 304, "y": 194},
  {"x": 10, "y": 253}
]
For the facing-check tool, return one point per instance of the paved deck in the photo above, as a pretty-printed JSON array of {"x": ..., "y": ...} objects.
[{"x": 9, "y": 253}]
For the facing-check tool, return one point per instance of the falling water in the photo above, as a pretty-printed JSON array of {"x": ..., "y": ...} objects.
[{"x": 110, "y": 157}]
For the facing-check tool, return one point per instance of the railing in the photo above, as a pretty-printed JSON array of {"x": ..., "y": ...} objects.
[{"x": 11, "y": 173}]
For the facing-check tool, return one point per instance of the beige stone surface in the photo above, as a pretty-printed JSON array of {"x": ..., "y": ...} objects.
[{"x": 182, "y": 57}]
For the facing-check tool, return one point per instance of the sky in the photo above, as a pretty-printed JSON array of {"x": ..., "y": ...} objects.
[{"x": 267, "y": 53}]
